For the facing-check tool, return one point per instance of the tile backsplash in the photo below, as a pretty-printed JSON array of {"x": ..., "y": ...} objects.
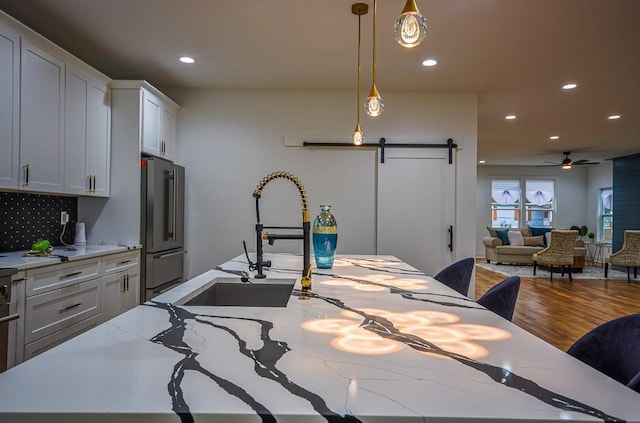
[{"x": 26, "y": 218}]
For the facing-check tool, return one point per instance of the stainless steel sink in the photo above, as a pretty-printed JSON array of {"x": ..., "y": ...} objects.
[{"x": 269, "y": 292}]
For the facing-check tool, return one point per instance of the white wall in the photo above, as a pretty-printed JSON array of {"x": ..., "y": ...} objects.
[
  {"x": 230, "y": 139},
  {"x": 571, "y": 195}
]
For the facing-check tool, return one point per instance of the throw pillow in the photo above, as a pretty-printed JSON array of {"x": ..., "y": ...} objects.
[
  {"x": 492, "y": 232},
  {"x": 534, "y": 241},
  {"x": 536, "y": 231},
  {"x": 503, "y": 236},
  {"x": 515, "y": 238},
  {"x": 547, "y": 238}
]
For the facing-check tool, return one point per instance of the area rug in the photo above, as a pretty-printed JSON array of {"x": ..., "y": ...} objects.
[{"x": 588, "y": 272}]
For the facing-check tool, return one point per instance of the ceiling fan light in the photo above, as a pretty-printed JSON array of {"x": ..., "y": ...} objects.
[
  {"x": 410, "y": 27},
  {"x": 566, "y": 163}
]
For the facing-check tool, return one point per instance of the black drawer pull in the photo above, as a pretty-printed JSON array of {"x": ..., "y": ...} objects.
[
  {"x": 124, "y": 262},
  {"x": 67, "y": 308},
  {"x": 70, "y": 275}
]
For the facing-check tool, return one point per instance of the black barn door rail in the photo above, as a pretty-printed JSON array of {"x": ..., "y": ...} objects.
[{"x": 382, "y": 145}]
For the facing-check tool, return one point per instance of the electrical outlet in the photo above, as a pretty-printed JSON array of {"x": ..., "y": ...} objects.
[{"x": 64, "y": 218}]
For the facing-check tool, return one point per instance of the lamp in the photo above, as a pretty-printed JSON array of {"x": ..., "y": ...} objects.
[
  {"x": 411, "y": 26},
  {"x": 374, "y": 104},
  {"x": 358, "y": 9},
  {"x": 566, "y": 162}
]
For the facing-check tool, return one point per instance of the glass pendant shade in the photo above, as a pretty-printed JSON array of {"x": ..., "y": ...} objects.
[
  {"x": 374, "y": 104},
  {"x": 411, "y": 27},
  {"x": 358, "y": 135}
]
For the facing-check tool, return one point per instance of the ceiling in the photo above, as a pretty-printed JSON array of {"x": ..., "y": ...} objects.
[{"x": 515, "y": 54}]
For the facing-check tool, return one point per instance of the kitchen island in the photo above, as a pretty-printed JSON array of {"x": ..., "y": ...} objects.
[{"x": 375, "y": 341}]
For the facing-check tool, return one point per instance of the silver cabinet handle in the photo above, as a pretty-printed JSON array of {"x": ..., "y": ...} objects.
[
  {"x": 67, "y": 308},
  {"x": 9, "y": 318}
]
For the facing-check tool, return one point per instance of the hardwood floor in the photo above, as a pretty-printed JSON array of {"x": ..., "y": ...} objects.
[{"x": 560, "y": 312}]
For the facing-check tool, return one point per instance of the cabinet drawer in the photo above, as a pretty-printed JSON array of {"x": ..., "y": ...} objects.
[
  {"x": 48, "y": 278},
  {"x": 52, "y": 311},
  {"x": 121, "y": 261},
  {"x": 48, "y": 342}
]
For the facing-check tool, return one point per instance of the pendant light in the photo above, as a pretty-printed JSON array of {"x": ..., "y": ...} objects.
[
  {"x": 374, "y": 104},
  {"x": 411, "y": 26},
  {"x": 358, "y": 9}
]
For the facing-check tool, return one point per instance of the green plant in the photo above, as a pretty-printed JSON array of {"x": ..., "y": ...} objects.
[
  {"x": 591, "y": 235},
  {"x": 582, "y": 230}
]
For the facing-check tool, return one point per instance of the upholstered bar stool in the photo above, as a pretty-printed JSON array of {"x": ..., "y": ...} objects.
[{"x": 628, "y": 255}]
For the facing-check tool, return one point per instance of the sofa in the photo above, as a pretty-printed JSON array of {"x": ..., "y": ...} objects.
[{"x": 498, "y": 249}]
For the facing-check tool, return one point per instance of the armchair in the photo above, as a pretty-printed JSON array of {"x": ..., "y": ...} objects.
[
  {"x": 628, "y": 255},
  {"x": 559, "y": 252}
]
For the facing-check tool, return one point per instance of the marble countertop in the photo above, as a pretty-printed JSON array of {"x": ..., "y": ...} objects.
[
  {"x": 18, "y": 260},
  {"x": 375, "y": 341}
]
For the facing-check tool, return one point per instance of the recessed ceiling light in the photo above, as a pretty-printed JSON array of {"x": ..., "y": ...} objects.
[
  {"x": 554, "y": 137},
  {"x": 430, "y": 62},
  {"x": 569, "y": 86},
  {"x": 510, "y": 117},
  {"x": 187, "y": 59},
  {"x": 482, "y": 162},
  {"x": 614, "y": 117}
]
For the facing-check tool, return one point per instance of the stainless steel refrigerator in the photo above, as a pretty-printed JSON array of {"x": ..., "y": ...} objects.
[{"x": 162, "y": 226}]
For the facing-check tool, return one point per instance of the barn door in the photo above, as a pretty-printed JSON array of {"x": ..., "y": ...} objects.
[{"x": 416, "y": 207}]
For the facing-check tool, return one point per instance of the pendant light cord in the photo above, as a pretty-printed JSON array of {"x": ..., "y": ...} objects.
[
  {"x": 358, "y": 92},
  {"x": 374, "y": 42}
]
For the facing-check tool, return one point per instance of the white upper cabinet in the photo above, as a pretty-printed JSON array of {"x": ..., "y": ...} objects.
[
  {"x": 9, "y": 108},
  {"x": 158, "y": 125},
  {"x": 87, "y": 134},
  {"x": 55, "y": 117},
  {"x": 99, "y": 138},
  {"x": 42, "y": 81}
]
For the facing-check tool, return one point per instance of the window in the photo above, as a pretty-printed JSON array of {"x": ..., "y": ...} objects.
[
  {"x": 605, "y": 213},
  {"x": 539, "y": 206},
  {"x": 510, "y": 208},
  {"x": 505, "y": 203}
]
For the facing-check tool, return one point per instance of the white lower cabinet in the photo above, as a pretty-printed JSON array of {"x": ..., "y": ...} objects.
[
  {"x": 46, "y": 343},
  {"x": 119, "y": 292},
  {"x": 53, "y": 311},
  {"x": 63, "y": 300}
]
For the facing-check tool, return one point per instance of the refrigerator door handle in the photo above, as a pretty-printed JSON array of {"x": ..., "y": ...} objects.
[
  {"x": 161, "y": 256},
  {"x": 176, "y": 187},
  {"x": 171, "y": 205}
]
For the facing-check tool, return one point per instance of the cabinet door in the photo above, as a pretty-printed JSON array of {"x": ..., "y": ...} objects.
[
  {"x": 168, "y": 134},
  {"x": 151, "y": 114},
  {"x": 41, "y": 119},
  {"x": 75, "y": 140},
  {"x": 9, "y": 108},
  {"x": 112, "y": 289},
  {"x": 131, "y": 296},
  {"x": 99, "y": 139}
]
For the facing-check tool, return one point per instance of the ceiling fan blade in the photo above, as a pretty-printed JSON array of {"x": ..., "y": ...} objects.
[{"x": 585, "y": 162}]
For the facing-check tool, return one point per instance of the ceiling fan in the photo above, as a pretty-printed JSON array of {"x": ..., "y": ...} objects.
[{"x": 567, "y": 163}]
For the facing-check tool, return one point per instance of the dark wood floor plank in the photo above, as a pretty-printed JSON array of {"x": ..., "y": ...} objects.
[{"x": 560, "y": 312}]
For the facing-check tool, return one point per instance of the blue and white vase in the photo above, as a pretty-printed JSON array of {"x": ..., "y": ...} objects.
[{"x": 325, "y": 238}]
